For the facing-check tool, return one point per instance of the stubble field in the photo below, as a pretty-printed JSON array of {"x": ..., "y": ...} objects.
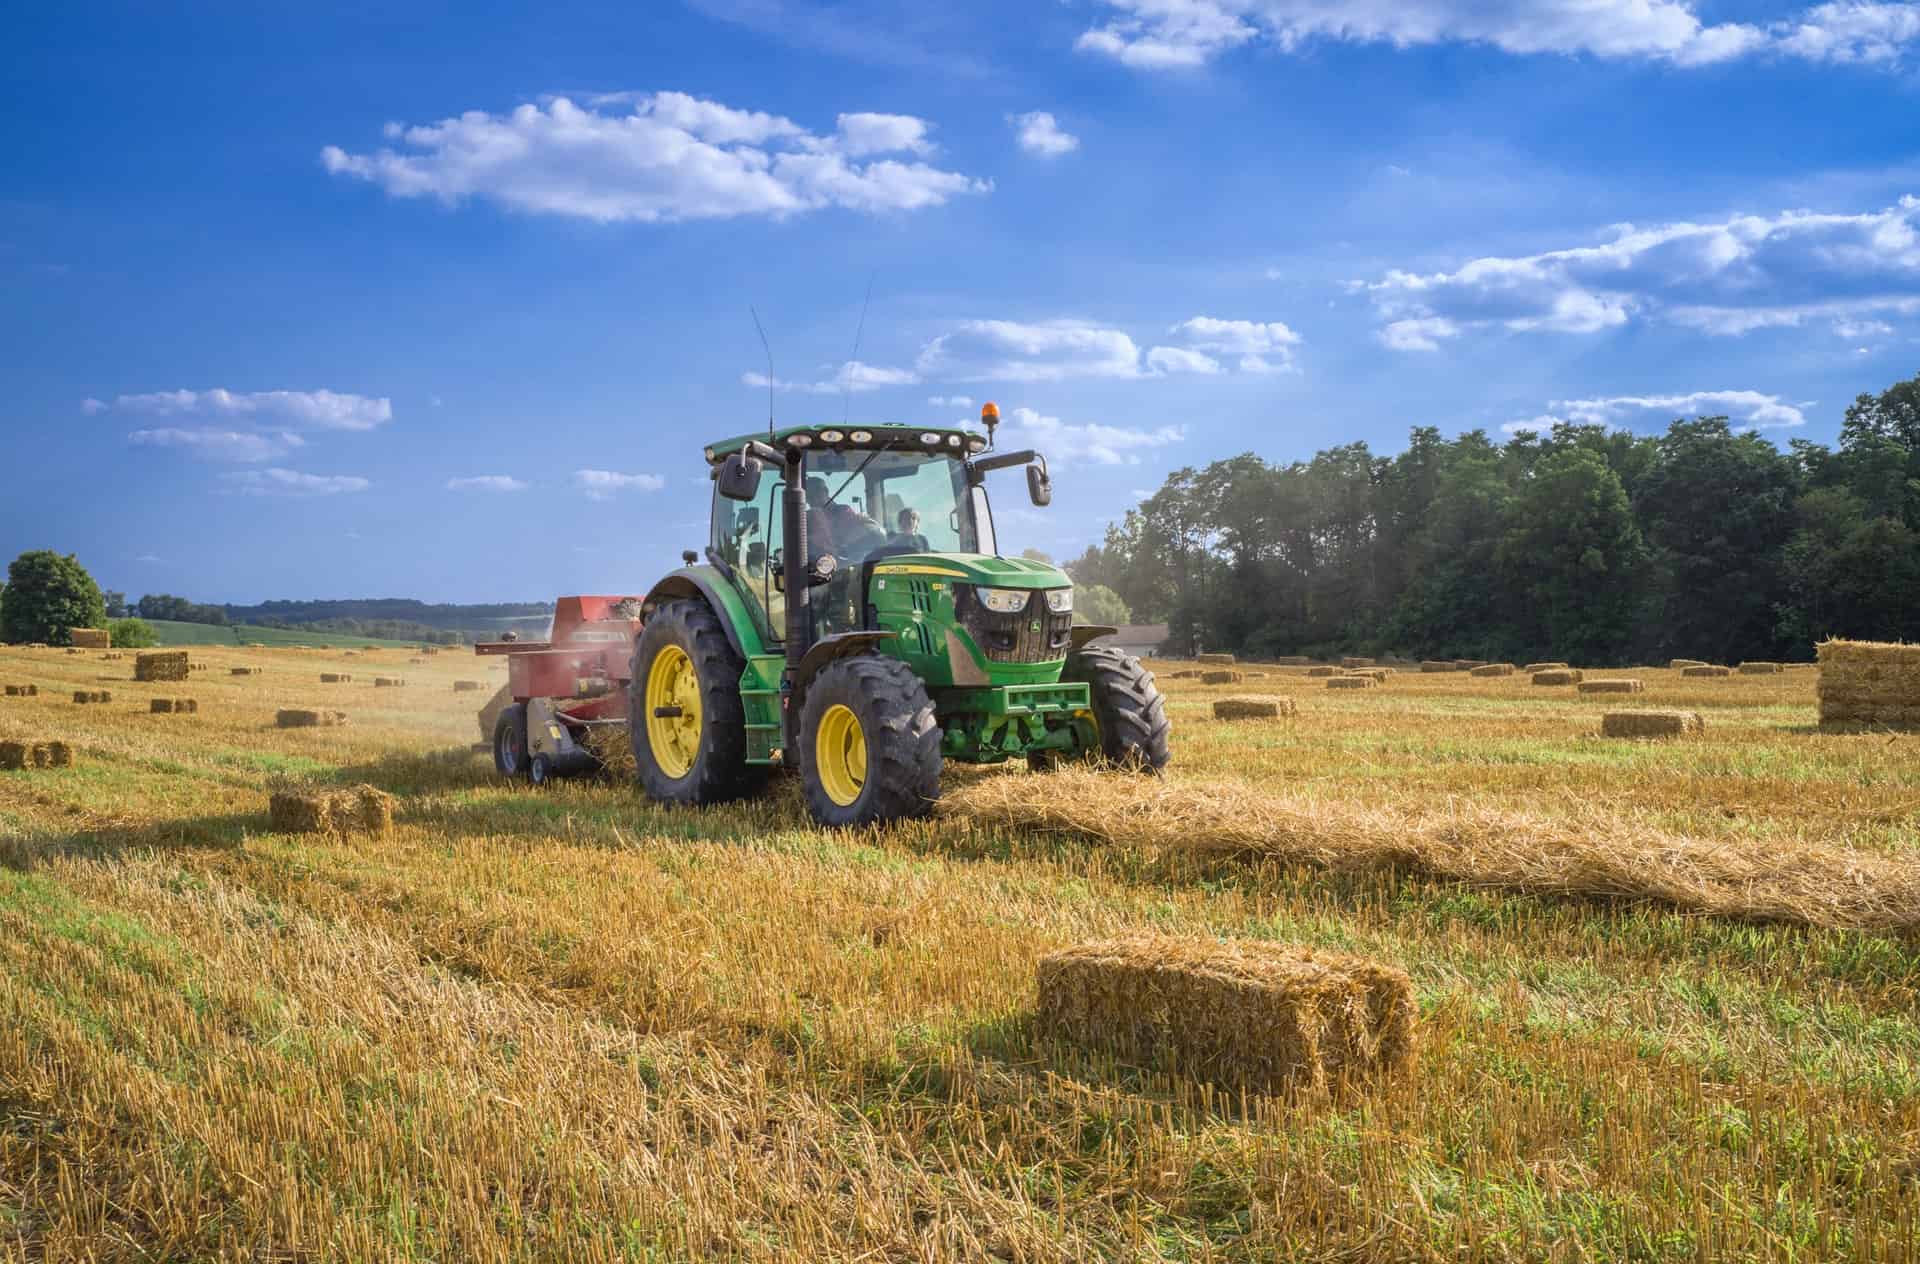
[{"x": 1668, "y": 989}]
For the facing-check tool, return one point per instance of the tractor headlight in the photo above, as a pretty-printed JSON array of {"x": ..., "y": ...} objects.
[
  {"x": 1059, "y": 600},
  {"x": 1003, "y": 600}
]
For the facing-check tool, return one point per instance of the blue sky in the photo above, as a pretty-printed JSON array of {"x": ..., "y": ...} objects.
[{"x": 442, "y": 300}]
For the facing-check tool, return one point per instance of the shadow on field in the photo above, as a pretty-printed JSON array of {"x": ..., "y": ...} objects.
[
  {"x": 109, "y": 839},
  {"x": 423, "y": 772}
]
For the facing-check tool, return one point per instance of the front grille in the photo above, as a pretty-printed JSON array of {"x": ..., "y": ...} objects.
[{"x": 1034, "y": 635}]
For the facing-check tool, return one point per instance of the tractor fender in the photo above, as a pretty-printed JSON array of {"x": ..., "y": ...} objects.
[
  {"x": 826, "y": 650},
  {"x": 708, "y": 584},
  {"x": 1082, "y": 633}
]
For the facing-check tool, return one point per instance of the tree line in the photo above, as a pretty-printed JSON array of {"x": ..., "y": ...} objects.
[{"x": 1588, "y": 544}]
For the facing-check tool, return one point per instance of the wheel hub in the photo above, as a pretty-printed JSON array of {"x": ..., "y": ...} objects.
[{"x": 673, "y": 711}]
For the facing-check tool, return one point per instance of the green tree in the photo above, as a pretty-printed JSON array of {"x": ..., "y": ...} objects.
[
  {"x": 1096, "y": 603},
  {"x": 1718, "y": 509},
  {"x": 132, "y": 634},
  {"x": 1037, "y": 555},
  {"x": 46, "y": 595},
  {"x": 1577, "y": 556}
]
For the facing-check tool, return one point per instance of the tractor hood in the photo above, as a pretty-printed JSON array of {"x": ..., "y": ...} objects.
[{"x": 976, "y": 568}]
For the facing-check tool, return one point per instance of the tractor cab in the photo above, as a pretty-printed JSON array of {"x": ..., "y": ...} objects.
[{"x": 854, "y": 619}]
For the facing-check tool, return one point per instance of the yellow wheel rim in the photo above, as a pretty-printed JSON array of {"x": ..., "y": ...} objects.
[
  {"x": 840, "y": 753},
  {"x": 673, "y": 687}
]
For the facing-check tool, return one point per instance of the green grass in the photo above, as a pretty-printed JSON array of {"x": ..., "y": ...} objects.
[{"x": 172, "y": 633}]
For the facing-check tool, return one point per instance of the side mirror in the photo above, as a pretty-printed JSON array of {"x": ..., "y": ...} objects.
[
  {"x": 739, "y": 477},
  {"x": 1039, "y": 485}
]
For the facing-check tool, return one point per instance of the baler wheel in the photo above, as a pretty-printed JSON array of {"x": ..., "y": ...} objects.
[{"x": 510, "y": 743}]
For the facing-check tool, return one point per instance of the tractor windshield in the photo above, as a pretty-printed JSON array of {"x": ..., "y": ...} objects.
[{"x": 864, "y": 503}]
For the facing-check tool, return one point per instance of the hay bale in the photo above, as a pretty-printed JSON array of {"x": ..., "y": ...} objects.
[
  {"x": 1531, "y": 668},
  {"x": 161, "y": 665},
  {"x": 1762, "y": 669},
  {"x": 1220, "y": 678},
  {"x": 1244, "y": 1014},
  {"x": 467, "y": 686},
  {"x": 335, "y": 678},
  {"x": 1706, "y": 671},
  {"x": 1681, "y": 664},
  {"x": 1558, "y": 676},
  {"x": 17, "y": 756},
  {"x": 416, "y": 662},
  {"x": 297, "y": 719},
  {"x": 1214, "y": 660},
  {"x": 1432, "y": 666},
  {"x": 1468, "y": 664},
  {"x": 1292, "y": 660},
  {"x": 173, "y": 706},
  {"x": 1487, "y": 671},
  {"x": 1317, "y": 672},
  {"x": 1352, "y": 682},
  {"x": 1187, "y": 673},
  {"x": 1356, "y": 662},
  {"x": 23, "y": 691},
  {"x": 1650, "y": 723},
  {"x": 113, "y": 657},
  {"x": 243, "y": 671},
  {"x": 1869, "y": 684},
  {"x": 1612, "y": 686},
  {"x": 92, "y": 695},
  {"x": 1244, "y": 708},
  {"x": 387, "y": 682},
  {"x": 90, "y": 638},
  {"x": 315, "y": 810}
]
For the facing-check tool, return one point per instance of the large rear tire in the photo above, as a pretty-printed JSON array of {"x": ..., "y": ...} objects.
[
  {"x": 869, "y": 743},
  {"x": 1129, "y": 715},
  {"x": 686, "y": 721}
]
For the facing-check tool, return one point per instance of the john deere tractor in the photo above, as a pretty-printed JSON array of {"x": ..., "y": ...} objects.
[{"x": 854, "y": 620}]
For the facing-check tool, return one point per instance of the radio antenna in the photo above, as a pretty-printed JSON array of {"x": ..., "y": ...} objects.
[
  {"x": 769, "y": 350},
  {"x": 846, "y": 387}
]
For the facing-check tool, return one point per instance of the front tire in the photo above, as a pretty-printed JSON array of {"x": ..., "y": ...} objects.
[
  {"x": 869, "y": 743},
  {"x": 510, "y": 743},
  {"x": 684, "y": 714},
  {"x": 1129, "y": 715}
]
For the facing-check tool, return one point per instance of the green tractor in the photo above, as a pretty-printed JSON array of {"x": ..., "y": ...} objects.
[{"x": 855, "y": 621}]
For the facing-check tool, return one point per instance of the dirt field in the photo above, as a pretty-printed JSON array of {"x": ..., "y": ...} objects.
[{"x": 565, "y": 1024}]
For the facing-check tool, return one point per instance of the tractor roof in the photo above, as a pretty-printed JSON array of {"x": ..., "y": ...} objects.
[{"x": 947, "y": 440}]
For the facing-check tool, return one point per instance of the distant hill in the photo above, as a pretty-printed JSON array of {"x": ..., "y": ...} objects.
[
  {"x": 173, "y": 633},
  {"x": 484, "y": 619}
]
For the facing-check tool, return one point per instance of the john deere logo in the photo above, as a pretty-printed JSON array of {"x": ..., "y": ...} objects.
[{"x": 1034, "y": 626}]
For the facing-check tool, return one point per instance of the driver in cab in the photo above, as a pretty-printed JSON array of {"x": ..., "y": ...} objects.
[{"x": 836, "y": 528}]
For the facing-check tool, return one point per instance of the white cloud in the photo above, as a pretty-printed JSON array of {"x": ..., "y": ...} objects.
[
  {"x": 604, "y": 484},
  {"x": 659, "y": 157},
  {"x": 1420, "y": 334},
  {"x": 851, "y": 376},
  {"x": 950, "y": 401},
  {"x": 1180, "y": 34},
  {"x": 1039, "y": 134},
  {"x": 1860, "y": 328},
  {"x": 1759, "y": 411},
  {"x": 1066, "y": 444},
  {"x": 93, "y": 407},
  {"x": 1181, "y": 360},
  {"x": 1726, "y": 278},
  {"x": 486, "y": 483},
  {"x": 1851, "y": 32},
  {"x": 1262, "y": 346},
  {"x": 220, "y": 445},
  {"x": 1005, "y": 350},
  {"x": 290, "y": 410},
  {"x": 1051, "y": 351},
  {"x": 278, "y": 482}
]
